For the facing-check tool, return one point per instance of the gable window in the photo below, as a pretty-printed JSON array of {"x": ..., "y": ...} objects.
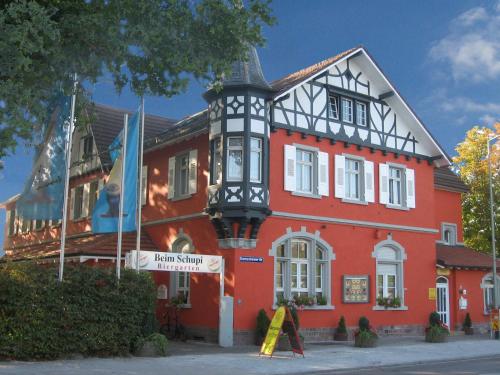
[
  {"x": 306, "y": 171},
  {"x": 361, "y": 117},
  {"x": 235, "y": 158},
  {"x": 182, "y": 175},
  {"x": 302, "y": 269},
  {"x": 352, "y": 179},
  {"x": 397, "y": 186},
  {"x": 305, "y": 168},
  {"x": 347, "y": 110},
  {"x": 449, "y": 234},
  {"x": 216, "y": 175},
  {"x": 255, "y": 159},
  {"x": 334, "y": 106},
  {"x": 389, "y": 264}
]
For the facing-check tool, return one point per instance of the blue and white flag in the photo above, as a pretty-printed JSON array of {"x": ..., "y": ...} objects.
[
  {"x": 106, "y": 211},
  {"x": 42, "y": 197}
]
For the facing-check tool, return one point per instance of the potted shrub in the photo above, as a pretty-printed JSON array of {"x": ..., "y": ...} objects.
[
  {"x": 436, "y": 331},
  {"x": 341, "y": 331},
  {"x": 467, "y": 325},
  {"x": 365, "y": 336},
  {"x": 263, "y": 322},
  {"x": 283, "y": 341}
]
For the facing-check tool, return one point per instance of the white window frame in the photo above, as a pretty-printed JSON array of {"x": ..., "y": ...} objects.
[
  {"x": 333, "y": 102},
  {"x": 180, "y": 243},
  {"x": 360, "y": 179},
  {"x": 398, "y": 262},
  {"x": 78, "y": 205},
  {"x": 452, "y": 230},
  {"x": 365, "y": 114},
  {"x": 179, "y": 170},
  {"x": 393, "y": 184},
  {"x": 217, "y": 170},
  {"x": 256, "y": 150},
  {"x": 344, "y": 113},
  {"x": 488, "y": 289},
  {"x": 301, "y": 165},
  {"x": 314, "y": 241},
  {"x": 239, "y": 148}
]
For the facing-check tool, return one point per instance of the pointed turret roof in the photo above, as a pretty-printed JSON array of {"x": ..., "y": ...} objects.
[{"x": 248, "y": 73}]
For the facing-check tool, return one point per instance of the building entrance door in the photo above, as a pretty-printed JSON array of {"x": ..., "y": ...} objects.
[{"x": 443, "y": 300}]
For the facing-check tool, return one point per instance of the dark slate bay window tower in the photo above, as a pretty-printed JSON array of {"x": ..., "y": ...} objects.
[{"x": 238, "y": 193}]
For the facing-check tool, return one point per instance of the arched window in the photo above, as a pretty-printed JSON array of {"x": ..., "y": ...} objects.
[
  {"x": 389, "y": 257},
  {"x": 487, "y": 286},
  {"x": 180, "y": 284},
  {"x": 302, "y": 268}
]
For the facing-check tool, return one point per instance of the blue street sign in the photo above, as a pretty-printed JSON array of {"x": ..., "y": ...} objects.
[{"x": 251, "y": 259}]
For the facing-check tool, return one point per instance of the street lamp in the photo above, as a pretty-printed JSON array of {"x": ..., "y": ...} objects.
[{"x": 492, "y": 212}]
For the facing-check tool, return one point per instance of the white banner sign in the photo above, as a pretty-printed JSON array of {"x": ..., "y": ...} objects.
[{"x": 166, "y": 261}]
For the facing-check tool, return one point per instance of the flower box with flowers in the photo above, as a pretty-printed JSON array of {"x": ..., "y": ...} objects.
[{"x": 389, "y": 302}]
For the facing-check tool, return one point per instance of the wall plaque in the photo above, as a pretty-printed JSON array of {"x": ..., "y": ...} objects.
[{"x": 356, "y": 289}]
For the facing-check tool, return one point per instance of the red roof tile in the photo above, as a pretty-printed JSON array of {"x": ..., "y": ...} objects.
[
  {"x": 90, "y": 244},
  {"x": 462, "y": 256}
]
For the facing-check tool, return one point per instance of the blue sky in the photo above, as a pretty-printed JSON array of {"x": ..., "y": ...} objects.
[{"x": 442, "y": 55}]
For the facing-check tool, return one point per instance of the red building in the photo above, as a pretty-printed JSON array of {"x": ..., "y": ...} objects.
[{"x": 323, "y": 187}]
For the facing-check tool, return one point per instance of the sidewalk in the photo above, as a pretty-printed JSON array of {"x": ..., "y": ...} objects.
[{"x": 205, "y": 359}]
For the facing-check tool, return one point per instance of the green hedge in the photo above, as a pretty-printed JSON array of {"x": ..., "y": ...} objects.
[{"x": 89, "y": 313}]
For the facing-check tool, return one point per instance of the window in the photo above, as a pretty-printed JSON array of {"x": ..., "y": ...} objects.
[
  {"x": 449, "y": 233},
  {"x": 144, "y": 192},
  {"x": 361, "y": 118},
  {"x": 181, "y": 281},
  {"x": 347, "y": 110},
  {"x": 38, "y": 224},
  {"x": 235, "y": 158},
  {"x": 93, "y": 195},
  {"x": 334, "y": 107},
  {"x": 395, "y": 186},
  {"x": 255, "y": 159},
  {"x": 11, "y": 220},
  {"x": 389, "y": 264},
  {"x": 86, "y": 147},
  {"x": 305, "y": 167},
  {"x": 182, "y": 175},
  {"x": 353, "y": 175},
  {"x": 488, "y": 287},
  {"x": 301, "y": 269},
  {"x": 78, "y": 202},
  {"x": 216, "y": 175}
]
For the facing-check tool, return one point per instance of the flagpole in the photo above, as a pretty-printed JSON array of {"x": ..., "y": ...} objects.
[
  {"x": 66, "y": 182},
  {"x": 122, "y": 197},
  {"x": 139, "y": 193}
]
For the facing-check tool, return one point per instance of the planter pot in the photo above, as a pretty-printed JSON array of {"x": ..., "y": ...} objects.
[
  {"x": 436, "y": 338},
  {"x": 365, "y": 341},
  {"x": 340, "y": 336},
  {"x": 468, "y": 330}
]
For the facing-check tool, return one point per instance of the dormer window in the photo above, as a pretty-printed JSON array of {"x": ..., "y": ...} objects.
[
  {"x": 361, "y": 114},
  {"x": 348, "y": 110},
  {"x": 334, "y": 107}
]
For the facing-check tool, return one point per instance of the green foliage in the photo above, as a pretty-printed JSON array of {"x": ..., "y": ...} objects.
[
  {"x": 467, "y": 321},
  {"x": 364, "y": 324},
  {"x": 263, "y": 322},
  {"x": 304, "y": 300},
  {"x": 341, "y": 328},
  {"x": 89, "y": 313},
  {"x": 389, "y": 302},
  {"x": 159, "y": 342},
  {"x": 365, "y": 339},
  {"x": 436, "y": 333},
  {"x": 321, "y": 301},
  {"x": 155, "y": 46},
  {"x": 472, "y": 166},
  {"x": 434, "y": 319}
]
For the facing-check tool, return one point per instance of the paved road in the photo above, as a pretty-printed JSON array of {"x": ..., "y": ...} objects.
[{"x": 476, "y": 366}]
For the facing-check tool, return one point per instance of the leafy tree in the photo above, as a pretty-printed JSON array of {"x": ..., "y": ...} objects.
[
  {"x": 472, "y": 166},
  {"x": 155, "y": 46}
]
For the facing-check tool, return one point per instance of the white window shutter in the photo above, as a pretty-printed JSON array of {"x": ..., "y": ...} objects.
[
  {"x": 339, "y": 176},
  {"x": 383, "y": 170},
  {"x": 86, "y": 200},
  {"x": 369, "y": 182},
  {"x": 171, "y": 177},
  {"x": 144, "y": 192},
  {"x": 290, "y": 173},
  {"x": 72, "y": 204},
  {"x": 193, "y": 171},
  {"x": 410, "y": 188},
  {"x": 323, "y": 180}
]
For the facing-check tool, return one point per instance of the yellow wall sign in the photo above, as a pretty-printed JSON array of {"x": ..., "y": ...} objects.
[
  {"x": 273, "y": 332},
  {"x": 432, "y": 294},
  {"x": 443, "y": 272}
]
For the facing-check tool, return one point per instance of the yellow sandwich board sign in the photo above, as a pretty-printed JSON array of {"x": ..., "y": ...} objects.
[{"x": 273, "y": 332}]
